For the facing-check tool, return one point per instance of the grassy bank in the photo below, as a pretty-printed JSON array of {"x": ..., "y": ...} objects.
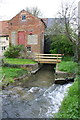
[
  {"x": 68, "y": 66},
  {"x": 70, "y": 105},
  {"x": 18, "y": 61},
  {"x": 10, "y": 73}
]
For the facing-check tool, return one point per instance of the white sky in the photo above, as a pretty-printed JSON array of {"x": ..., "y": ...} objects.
[{"x": 49, "y": 8}]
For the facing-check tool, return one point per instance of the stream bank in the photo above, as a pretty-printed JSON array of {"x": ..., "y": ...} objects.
[
  {"x": 62, "y": 77},
  {"x": 32, "y": 102},
  {"x": 20, "y": 72},
  {"x": 34, "y": 97}
]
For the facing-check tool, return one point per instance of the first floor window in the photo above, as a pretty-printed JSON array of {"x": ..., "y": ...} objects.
[
  {"x": 29, "y": 49},
  {"x": 32, "y": 40},
  {"x": 7, "y": 38},
  {"x": 3, "y": 47}
]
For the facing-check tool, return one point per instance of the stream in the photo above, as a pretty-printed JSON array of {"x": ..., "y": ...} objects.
[{"x": 35, "y": 97}]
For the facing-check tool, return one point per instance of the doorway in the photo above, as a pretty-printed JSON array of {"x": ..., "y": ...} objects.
[{"x": 21, "y": 38}]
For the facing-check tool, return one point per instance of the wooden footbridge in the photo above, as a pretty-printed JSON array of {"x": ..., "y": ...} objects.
[{"x": 48, "y": 58}]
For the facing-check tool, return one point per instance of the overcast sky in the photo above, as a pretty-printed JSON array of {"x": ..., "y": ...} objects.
[{"x": 49, "y": 8}]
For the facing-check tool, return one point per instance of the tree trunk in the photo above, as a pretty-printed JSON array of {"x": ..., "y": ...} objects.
[
  {"x": 75, "y": 44},
  {"x": 78, "y": 44}
]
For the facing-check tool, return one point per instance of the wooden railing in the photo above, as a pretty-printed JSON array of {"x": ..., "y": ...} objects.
[{"x": 48, "y": 58}]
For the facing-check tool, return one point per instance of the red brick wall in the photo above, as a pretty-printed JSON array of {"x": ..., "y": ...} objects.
[
  {"x": 33, "y": 24},
  {"x": 3, "y": 28}
]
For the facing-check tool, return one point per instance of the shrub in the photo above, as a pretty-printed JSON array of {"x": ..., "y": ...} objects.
[
  {"x": 14, "y": 51},
  {"x": 61, "y": 44}
]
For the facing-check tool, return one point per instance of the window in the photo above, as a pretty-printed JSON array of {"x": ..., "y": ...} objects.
[
  {"x": 6, "y": 38},
  {"x": 4, "y": 47},
  {"x": 10, "y": 23},
  {"x": 32, "y": 40},
  {"x": 29, "y": 49},
  {"x": 23, "y": 17}
]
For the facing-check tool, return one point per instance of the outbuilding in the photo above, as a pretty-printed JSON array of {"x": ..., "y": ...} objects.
[{"x": 4, "y": 36}]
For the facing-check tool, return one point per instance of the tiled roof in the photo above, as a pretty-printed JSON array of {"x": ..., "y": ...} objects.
[
  {"x": 52, "y": 21},
  {"x": 3, "y": 28}
]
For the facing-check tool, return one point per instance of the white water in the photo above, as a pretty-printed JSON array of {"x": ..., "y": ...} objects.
[
  {"x": 37, "y": 97},
  {"x": 55, "y": 97},
  {"x": 34, "y": 102}
]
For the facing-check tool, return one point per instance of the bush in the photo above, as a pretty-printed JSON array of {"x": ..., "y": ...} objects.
[
  {"x": 13, "y": 51},
  {"x": 61, "y": 44}
]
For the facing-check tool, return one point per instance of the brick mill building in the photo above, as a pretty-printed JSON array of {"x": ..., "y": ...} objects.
[{"x": 28, "y": 30}]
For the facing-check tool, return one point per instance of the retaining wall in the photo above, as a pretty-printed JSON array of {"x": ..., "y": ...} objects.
[{"x": 29, "y": 67}]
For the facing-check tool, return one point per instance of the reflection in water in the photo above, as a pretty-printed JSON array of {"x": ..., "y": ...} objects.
[{"x": 37, "y": 97}]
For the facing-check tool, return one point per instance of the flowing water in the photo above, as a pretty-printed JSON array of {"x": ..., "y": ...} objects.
[{"x": 36, "y": 97}]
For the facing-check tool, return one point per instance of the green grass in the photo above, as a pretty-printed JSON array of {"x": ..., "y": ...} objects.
[
  {"x": 0, "y": 73},
  {"x": 19, "y": 61},
  {"x": 11, "y": 73},
  {"x": 69, "y": 107},
  {"x": 68, "y": 66},
  {"x": 67, "y": 58}
]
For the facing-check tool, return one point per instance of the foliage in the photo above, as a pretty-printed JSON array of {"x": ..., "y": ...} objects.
[
  {"x": 69, "y": 13},
  {"x": 68, "y": 66},
  {"x": 18, "y": 61},
  {"x": 47, "y": 44},
  {"x": 68, "y": 58},
  {"x": 13, "y": 51},
  {"x": 66, "y": 24},
  {"x": 69, "y": 107},
  {"x": 61, "y": 44}
]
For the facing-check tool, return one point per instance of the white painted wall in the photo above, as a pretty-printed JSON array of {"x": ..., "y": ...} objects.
[{"x": 4, "y": 43}]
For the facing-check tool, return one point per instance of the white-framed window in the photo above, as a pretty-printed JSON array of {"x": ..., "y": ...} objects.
[
  {"x": 3, "y": 48},
  {"x": 32, "y": 40},
  {"x": 23, "y": 17},
  {"x": 7, "y": 38},
  {"x": 28, "y": 49}
]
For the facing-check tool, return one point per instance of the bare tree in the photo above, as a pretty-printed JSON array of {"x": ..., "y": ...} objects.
[
  {"x": 56, "y": 28},
  {"x": 35, "y": 11},
  {"x": 79, "y": 30},
  {"x": 68, "y": 13}
]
